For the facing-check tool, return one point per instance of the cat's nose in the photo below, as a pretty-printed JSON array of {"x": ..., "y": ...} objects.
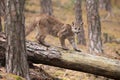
[{"x": 77, "y": 32}]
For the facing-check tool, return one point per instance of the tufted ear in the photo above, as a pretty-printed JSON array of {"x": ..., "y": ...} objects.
[
  {"x": 81, "y": 23},
  {"x": 73, "y": 23}
]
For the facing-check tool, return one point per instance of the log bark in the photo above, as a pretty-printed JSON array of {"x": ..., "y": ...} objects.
[{"x": 73, "y": 60}]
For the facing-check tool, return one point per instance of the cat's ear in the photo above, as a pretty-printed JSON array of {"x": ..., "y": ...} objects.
[
  {"x": 81, "y": 23},
  {"x": 73, "y": 23}
]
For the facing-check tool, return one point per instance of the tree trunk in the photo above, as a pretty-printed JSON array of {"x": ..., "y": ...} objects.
[
  {"x": 108, "y": 8},
  {"x": 16, "y": 62},
  {"x": 95, "y": 43},
  {"x": 2, "y": 8},
  {"x": 0, "y": 25},
  {"x": 46, "y": 7},
  {"x": 102, "y": 4},
  {"x": 73, "y": 60},
  {"x": 79, "y": 22},
  {"x": 106, "y": 4}
]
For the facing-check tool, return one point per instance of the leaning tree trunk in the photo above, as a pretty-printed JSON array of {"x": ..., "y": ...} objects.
[
  {"x": 95, "y": 43},
  {"x": 16, "y": 61},
  {"x": 46, "y": 7},
  {"x": 79, "y": 22}
]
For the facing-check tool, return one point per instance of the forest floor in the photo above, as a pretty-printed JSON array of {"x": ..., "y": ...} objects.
[{"x": 63, "y": 10}]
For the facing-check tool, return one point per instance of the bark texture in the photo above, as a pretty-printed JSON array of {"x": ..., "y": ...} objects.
[
  {"x": 16, "y": 61},
  {"x": 0, "y": 25},
  {"x": 106, "y": 5},
  {"x": 94, "y": 26},
  {"x": 2, "y": 11},
  {"x": 46, "y": 7},
  {"x": 79, "y": 22}
]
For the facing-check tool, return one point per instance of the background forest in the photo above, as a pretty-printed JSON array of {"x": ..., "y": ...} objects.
[{"x": 64, "y": 11}]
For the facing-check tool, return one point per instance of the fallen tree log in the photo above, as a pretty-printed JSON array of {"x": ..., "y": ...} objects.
[{"x": 73, "y": 60}]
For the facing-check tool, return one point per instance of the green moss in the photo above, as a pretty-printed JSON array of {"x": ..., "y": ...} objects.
[
  {"x": 18, "y": 78},
  {"x": 13, "y": 77}
]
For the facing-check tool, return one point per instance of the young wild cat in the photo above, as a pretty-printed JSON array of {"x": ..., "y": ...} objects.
[{"x": 48, "y": 25}]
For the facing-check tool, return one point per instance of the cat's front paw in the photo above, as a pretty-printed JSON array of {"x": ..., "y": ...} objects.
[{"x": 65, "y": 48}]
